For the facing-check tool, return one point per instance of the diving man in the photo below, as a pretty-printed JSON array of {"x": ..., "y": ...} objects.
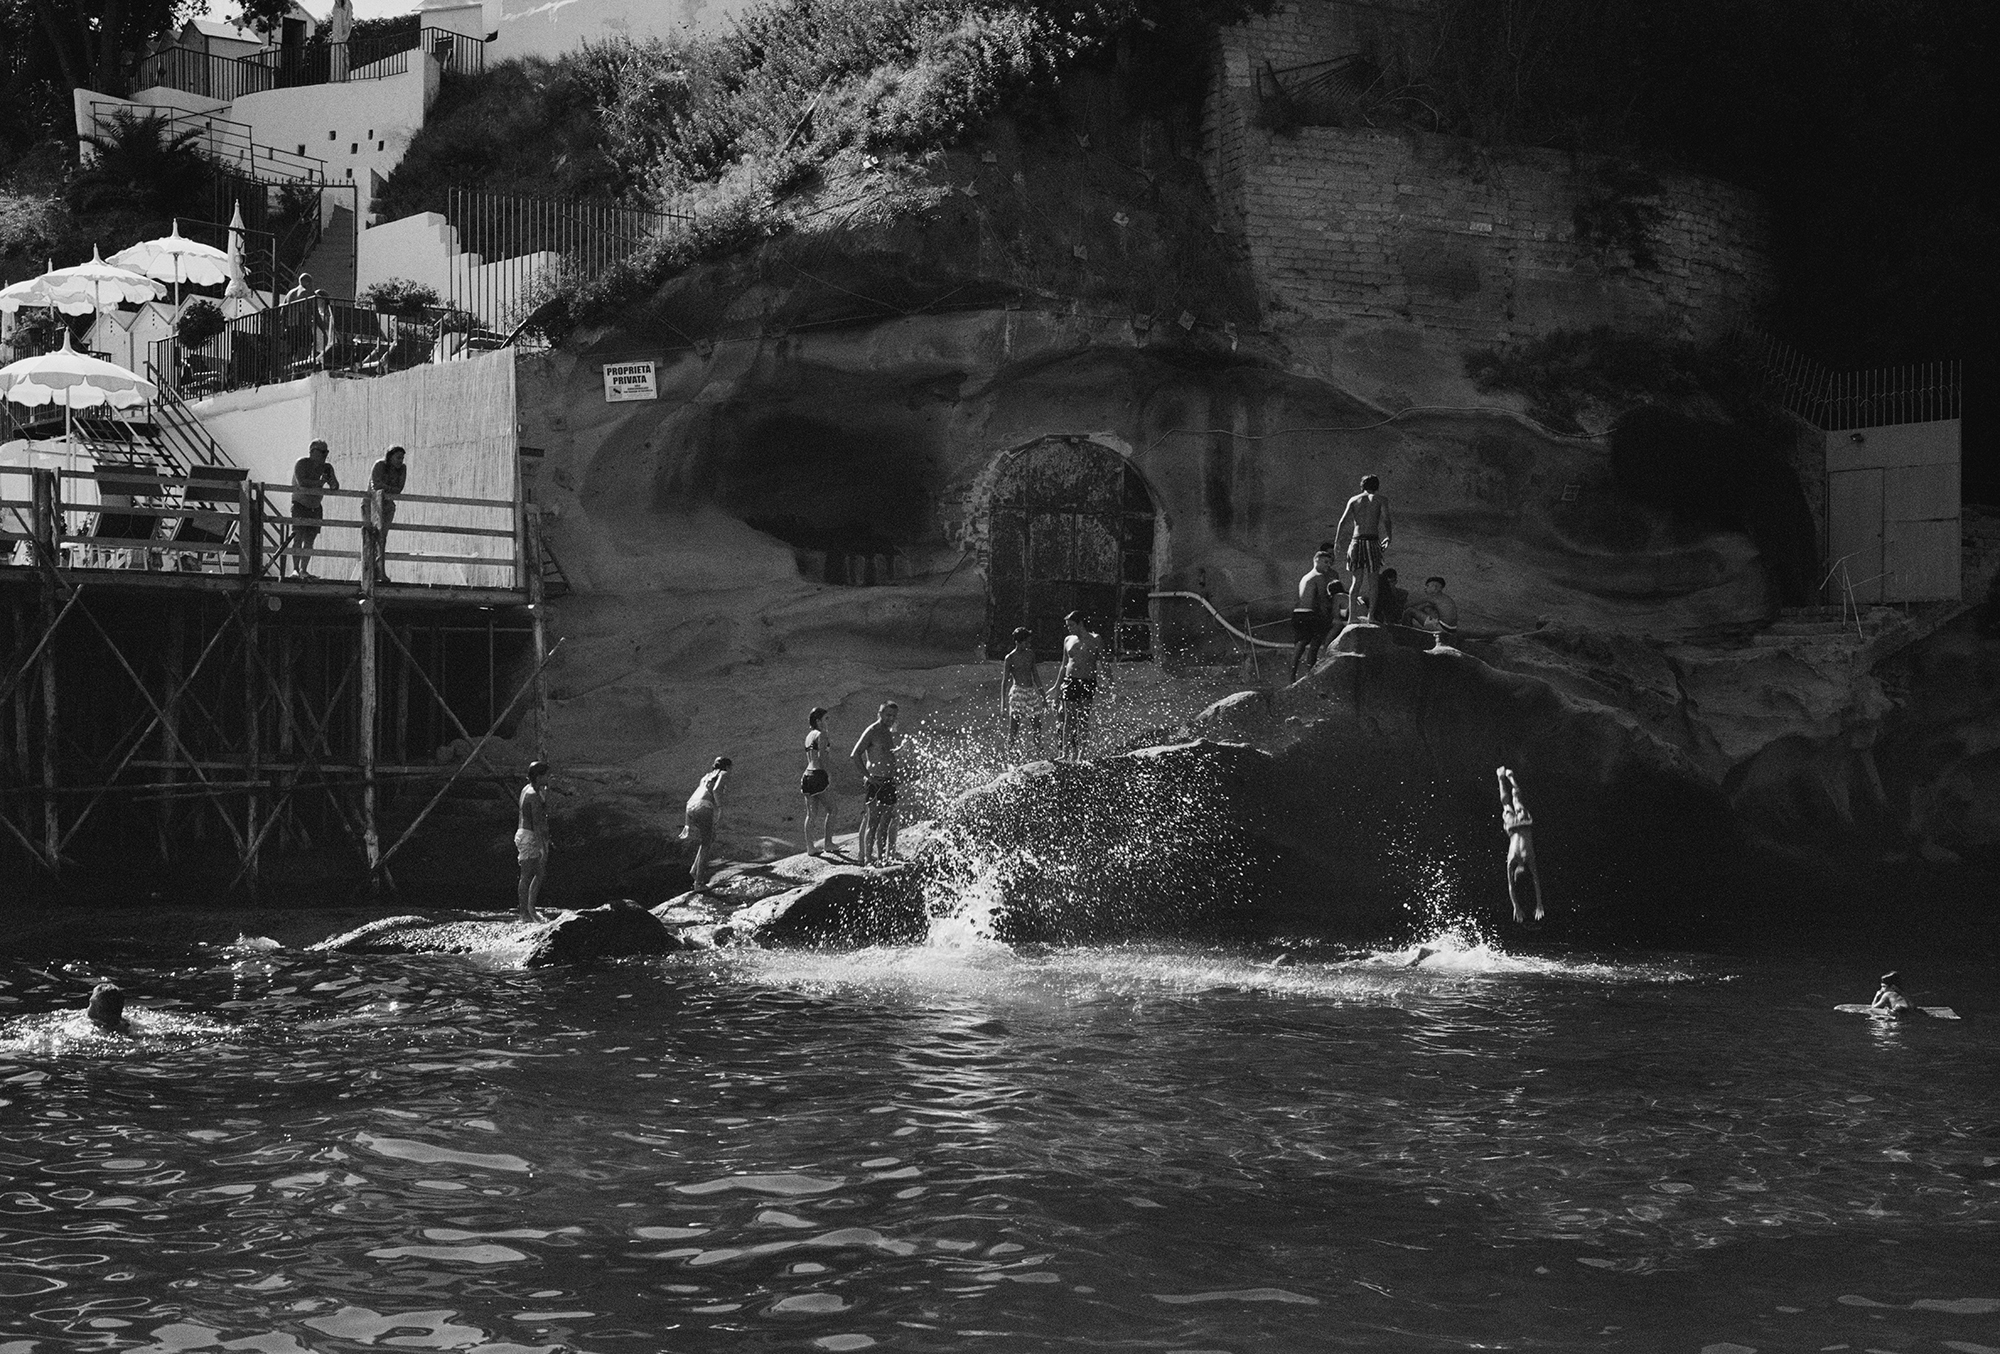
[{"x": 1520, "y": 825}]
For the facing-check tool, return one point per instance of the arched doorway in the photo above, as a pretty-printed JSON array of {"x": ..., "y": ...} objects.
[{"x": 1071, "y": 527}]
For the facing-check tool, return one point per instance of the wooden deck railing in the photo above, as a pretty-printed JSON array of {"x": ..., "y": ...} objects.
[{"x": 215, "y": 523}]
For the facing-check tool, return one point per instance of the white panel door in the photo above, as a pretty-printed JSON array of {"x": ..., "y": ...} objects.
[{"x": 1854, "y": 530}]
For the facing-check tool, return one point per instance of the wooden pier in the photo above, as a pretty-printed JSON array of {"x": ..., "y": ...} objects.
[{"x": 179, "y": 718}]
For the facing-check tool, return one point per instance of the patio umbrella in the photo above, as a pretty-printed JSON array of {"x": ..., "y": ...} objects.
[
  {"x": 238, "y": 298},
  {"x": 83, "y": 288},
  {"x": 175, "y": 258},
  {"x": 75, "y": 381}
]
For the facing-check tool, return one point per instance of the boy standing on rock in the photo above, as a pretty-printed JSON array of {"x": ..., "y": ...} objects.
[
  {"x": 531, "y": 841},
  {"x": 875, "y": 757},
  {"x": 1076, "y": 683},
  {"x": 1369, "y": 512},
  {"x": 1021, "y": 694}
]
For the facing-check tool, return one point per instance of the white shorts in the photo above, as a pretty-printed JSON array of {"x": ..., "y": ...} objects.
[{"x": 530, "y": 846}]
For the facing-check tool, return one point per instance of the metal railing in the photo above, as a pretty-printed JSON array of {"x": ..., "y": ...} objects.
[
  {"x": 1836, "y": 401},
  {"x": 572, "y": 239},
  {"x": 294, "y": 340},
  {"x": 217, "y": 521},
  {"x": 370, "y": 58},
  {"x": 224, "y": 140}
]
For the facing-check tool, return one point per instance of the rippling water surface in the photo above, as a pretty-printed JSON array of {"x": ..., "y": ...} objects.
[{"x": 954, "y": 1147}]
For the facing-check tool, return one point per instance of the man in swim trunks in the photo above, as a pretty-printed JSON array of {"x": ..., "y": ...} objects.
[
  {"x": 531, "y": 841},
  {"x": 814, "y": 782},
  {"x": 1520, "y": 825},
  {"x": 1312, "y": 618},
  {"x": 1437, "y": 612},
  {"x": 1369, "y": 512},
  {"x": 1021, "y": 694},
  {"x": 311, "y": 477},
  {"x": 874, "y": 756},
  {"x": 1076, "y": 684}
]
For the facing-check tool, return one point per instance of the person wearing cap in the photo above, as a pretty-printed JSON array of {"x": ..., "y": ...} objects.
[
  {"x": 531, "y": 840},
  {"x": 1889, "y": 999}
]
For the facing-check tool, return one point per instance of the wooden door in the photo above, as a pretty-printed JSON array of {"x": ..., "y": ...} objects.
[{"x": 1071, "y": 529}]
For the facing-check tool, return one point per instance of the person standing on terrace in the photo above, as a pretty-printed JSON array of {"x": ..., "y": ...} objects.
[
  {"x": 387, "y": 480},
  {"x": 310, "y": 476}
]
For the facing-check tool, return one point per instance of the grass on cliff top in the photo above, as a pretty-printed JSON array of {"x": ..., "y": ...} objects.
[{"x": 809, "y": 116}]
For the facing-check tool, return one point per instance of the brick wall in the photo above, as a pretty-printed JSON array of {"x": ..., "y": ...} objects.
[{"x": 1355, "y": 224}]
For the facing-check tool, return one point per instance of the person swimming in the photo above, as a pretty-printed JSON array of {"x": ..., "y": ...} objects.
[
  {"x": 106, "y": 1009},
  {"x": 1889, "y": 998}
]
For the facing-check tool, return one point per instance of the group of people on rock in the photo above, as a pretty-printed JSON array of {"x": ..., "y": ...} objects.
[
  {"x": 312, "y": 476},
  {"x": 1373, "y": 591}
]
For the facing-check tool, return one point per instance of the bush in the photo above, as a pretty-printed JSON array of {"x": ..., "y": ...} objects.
[
  {"x": 402, "y": 297},
  {"x": 199, "y": 322}
]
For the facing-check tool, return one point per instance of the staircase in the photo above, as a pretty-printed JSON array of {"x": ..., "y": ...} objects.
[
  {"x": 555, "y": 583},
  {"x": 332, "y": 262}
]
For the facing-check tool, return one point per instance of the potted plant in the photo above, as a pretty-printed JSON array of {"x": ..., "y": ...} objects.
[{"x": 200, "y": 322}]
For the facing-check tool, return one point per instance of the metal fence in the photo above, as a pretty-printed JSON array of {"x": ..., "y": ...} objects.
[
  {"x": 316, "y": 63},
  {"x": 295, "y": 340},
  {"x": 1835, "y": 401},
  {"x": 525, "y": 245},
  {"x": 223, "y": 141}
]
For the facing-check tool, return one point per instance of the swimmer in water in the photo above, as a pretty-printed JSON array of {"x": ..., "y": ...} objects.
[
  {"x": 1889, "y": 999},
  {"x": 107, "y": 1009},
  {"x": 1520, "y": 825}
]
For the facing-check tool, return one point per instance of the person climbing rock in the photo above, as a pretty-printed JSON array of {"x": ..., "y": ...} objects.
[
  {"x": 1312, "y": 618},
  {"x": 1889, "y": 998},
  {"x": 704, "y": 806}
]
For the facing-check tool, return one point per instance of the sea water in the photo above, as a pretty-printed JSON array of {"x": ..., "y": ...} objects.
[{"x": 960, "y": 1145}]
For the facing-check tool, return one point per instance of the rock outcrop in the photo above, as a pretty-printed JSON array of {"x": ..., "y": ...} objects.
[{"x": 617, "y": 930}]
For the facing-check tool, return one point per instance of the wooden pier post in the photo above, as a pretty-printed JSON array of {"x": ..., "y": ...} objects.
[
  {"x": 371, "y": 836},
  {"x": 250, "y": 550},
  {"x": 531, "y": 551},
  {"x": 47, "y": 526}
]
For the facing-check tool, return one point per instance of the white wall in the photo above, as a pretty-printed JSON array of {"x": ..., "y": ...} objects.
[
  {"x": 356, "y": 127},
  {"x": 456, "y": 419},
  {"x": 424, "y": 248}
]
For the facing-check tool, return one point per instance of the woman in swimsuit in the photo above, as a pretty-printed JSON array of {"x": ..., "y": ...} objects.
[
  {"x": 813, "y": 784},
  {"x": 703, "y": 807}
]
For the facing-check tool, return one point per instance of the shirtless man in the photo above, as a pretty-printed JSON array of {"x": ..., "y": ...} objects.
[
  {"x": 814, "y": 782},
  {"x": 1021, "y": 694},
  {"x": 311, "y": 477},
  {"x": 1312, "y": 618},
  {"x": 531, "y": 841},
  {"x": 1437, "y": 612},
  {"x": 875, "y": 757},
  {"x": 1369, "y": 512},
  {"x": 1076, "y": 684},
  {"x": 1520, "y": 827}
]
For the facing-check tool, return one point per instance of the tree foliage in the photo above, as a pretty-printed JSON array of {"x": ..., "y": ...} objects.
[{"x": 142, "y": 166}]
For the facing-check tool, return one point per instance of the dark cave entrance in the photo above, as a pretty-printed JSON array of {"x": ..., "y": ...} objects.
[{"x": 1071, "y": 526}]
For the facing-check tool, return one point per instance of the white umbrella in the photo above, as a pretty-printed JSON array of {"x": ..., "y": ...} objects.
[
  {"x": 175, "y": 258},
  {"x": 75, "y": 381},
  {"x": 238, "y": 298},
  {"x": 83, "y": 288}
]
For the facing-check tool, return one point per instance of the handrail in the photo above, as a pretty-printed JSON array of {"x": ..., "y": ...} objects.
[
  {"x": 229, "y": 78},
  {"x": 1210, "y": 607}
]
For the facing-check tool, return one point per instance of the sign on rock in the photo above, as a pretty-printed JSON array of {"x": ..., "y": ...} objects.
[{"x": 629, "y": 381}]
